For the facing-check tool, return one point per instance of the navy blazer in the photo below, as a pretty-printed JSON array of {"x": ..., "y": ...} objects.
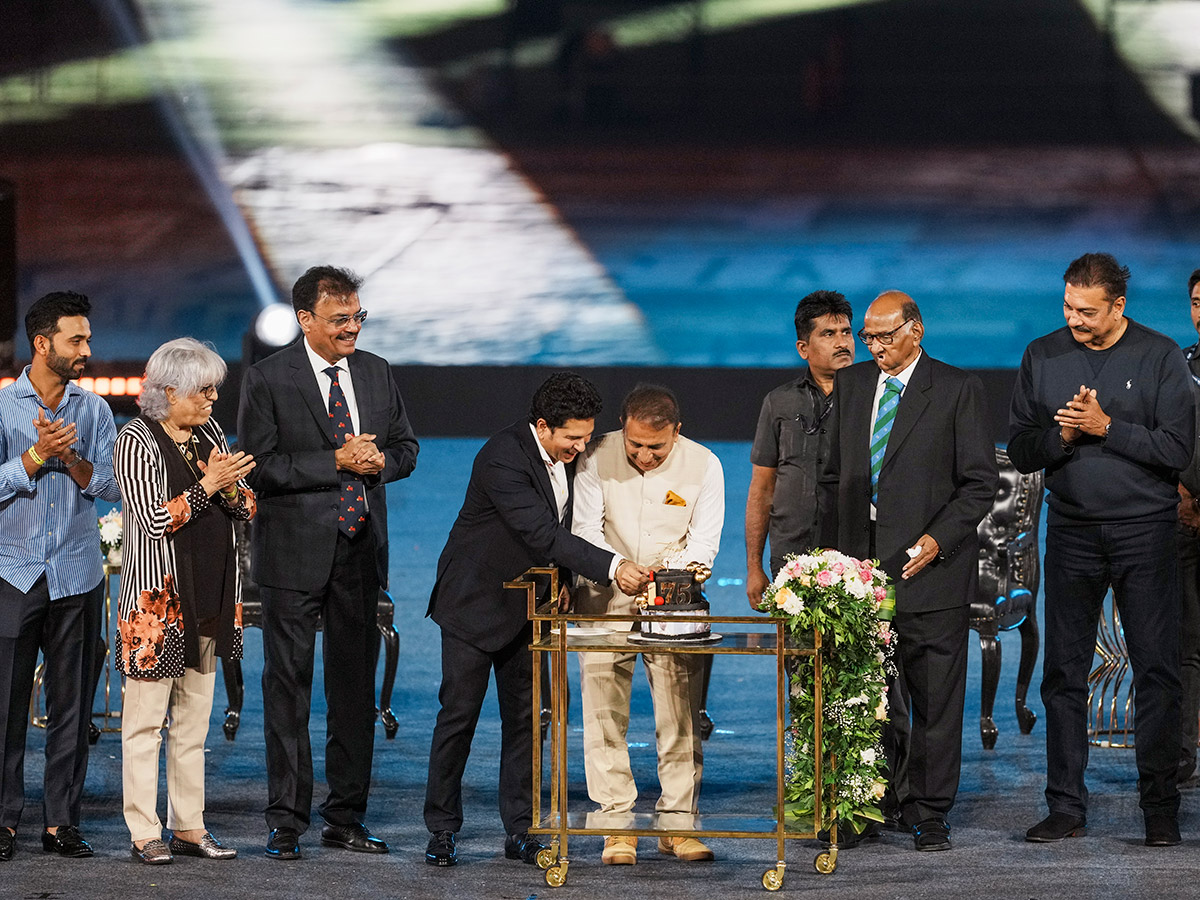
[
  {"x": 508, "y": 523},
  {"x": 939, "y": 477},
  {"x": 284, "y": 422}
]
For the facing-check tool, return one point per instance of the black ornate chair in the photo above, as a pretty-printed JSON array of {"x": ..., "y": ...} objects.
[
  {"x": 252, "y": 618},
  {"x": 1006, "y": 596}
]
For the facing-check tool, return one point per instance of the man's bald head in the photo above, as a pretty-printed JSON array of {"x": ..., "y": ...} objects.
[
  {"x": 893, "y": 301},
  {"x": 893, "y": 325}
]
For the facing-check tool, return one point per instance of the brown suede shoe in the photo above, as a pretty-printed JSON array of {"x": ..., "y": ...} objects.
[
  {"x": 619, "y": 850},
  {"x": 686, "y": 848}
]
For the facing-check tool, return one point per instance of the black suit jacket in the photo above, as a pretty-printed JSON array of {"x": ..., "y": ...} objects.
[
  {"x": 939, "y": 478},
  {"x": 508, "y": 523},
  {"x": 284, "y": 422}
]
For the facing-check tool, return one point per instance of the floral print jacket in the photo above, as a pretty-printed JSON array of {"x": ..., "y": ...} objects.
[{"x": 150, "y": 624}]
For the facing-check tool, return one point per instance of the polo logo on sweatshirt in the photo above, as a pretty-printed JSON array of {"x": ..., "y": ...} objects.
[{"x": 1128, "y": 385}]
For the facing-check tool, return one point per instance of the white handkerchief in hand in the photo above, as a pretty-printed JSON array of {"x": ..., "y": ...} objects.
[{"x": 913, "y": 552}]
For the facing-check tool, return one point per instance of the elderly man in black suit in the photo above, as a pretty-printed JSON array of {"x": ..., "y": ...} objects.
[
  {"x": 328, "y": 429},
  {"x": 910, "y": 475},
  {"x": 517, "y": 514}
]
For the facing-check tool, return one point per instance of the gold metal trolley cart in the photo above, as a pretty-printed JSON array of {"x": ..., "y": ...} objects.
[{"x": 550, "y": 636}]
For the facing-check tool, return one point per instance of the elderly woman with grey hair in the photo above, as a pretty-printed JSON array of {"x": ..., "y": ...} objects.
[{"x": 180, "y": 600}]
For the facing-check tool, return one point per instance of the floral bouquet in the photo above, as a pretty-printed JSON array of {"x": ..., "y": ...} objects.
[
  {"x": 851, "y": 602},
  {"x": 112, "y": 530}
]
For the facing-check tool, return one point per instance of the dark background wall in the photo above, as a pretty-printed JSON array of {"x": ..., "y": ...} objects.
[{"x": 718, "y": 403}]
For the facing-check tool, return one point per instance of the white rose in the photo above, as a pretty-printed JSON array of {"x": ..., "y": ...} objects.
[
  {"x": 787, "y": 600},
  {"x": 868, "y": 755},
  {"x": 855, "y": 587}
]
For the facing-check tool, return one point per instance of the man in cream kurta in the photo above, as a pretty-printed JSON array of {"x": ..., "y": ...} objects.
[{"x": 658, "y": 499}]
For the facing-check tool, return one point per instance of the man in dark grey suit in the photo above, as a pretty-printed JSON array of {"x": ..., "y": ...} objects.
[
  {"x": 910, "y": 475},
  {"x": 328, "y": 429},
  {"x": 517, "y": 514}
]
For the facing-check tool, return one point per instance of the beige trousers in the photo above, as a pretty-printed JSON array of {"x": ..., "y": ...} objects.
[
  {"x": 147, "y": 703},
  {"x": 606, "y": 686}
]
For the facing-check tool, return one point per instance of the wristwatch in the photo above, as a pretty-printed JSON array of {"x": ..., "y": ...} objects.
[{"x": 76, "y": 459}]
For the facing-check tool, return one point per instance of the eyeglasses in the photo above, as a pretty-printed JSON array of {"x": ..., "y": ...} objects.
[
  {"x": 342, "y": 321},
  {"x": 209, "y": 391},
  {"x": 884, "y": 338}
]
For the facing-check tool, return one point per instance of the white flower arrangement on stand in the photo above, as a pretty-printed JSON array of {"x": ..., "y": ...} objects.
[{"x": 112, "y": 531}]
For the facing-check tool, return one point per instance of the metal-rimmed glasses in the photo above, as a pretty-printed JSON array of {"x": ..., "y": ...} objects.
[
  {"x": 885, "y": 337},
  {"x": 342, "y": 321}
]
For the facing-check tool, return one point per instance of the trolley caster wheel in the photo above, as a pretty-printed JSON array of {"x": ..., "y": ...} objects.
[
  {"x": 772, "y": 879},
  {"x": 557, "y": 875},
  {"x": 826, "y": 863},
  {"x": 546, "y": 857}
]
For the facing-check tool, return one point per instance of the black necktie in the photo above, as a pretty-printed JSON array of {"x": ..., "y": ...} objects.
[{"x": 352, "y": 507}]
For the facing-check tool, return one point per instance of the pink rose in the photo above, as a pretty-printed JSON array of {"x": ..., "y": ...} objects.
[
  {"x": 880, "y": 594},
  {"x": 825, "y": 578},
  {"x": 838, "y": 568}
]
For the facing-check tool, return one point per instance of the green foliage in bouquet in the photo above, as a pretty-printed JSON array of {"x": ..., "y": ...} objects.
[{"x": 851, "y": 603}]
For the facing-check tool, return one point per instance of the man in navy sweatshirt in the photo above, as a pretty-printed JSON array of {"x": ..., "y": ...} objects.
[{"x": 1104, "y": 405}]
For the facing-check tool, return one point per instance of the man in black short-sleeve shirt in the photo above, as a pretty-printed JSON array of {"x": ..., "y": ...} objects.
[{"x": 792, "y": 441}]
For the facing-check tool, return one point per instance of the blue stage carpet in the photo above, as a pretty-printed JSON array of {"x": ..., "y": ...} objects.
[{"x": 1000, "y": 795}]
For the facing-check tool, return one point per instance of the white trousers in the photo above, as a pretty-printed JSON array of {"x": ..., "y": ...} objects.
[
  {"x": 606, "y": 686},
  {"x": 187, "y": 701}
]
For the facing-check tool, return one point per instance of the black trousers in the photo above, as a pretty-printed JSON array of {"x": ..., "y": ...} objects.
[
  {"x": 465, "y": 673},
  {"x": 346, "y": 609},
  {"x": 1137, "y": 559},
  {"x": 67, "y": 631},
  {"x": 926, "y": 701},
  {"x": 1188, "y": 554}
]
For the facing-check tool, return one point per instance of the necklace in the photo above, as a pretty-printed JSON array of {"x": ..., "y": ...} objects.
[{"x": 189, "y": 449}]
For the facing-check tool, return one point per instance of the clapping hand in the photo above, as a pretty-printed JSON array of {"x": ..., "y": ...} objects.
[
  {"x": 360, "y": 455},
  {"x": 1082, "y": 415},
  {"x": 224, "y": 470},
  {"x": 54, "y": 438}
]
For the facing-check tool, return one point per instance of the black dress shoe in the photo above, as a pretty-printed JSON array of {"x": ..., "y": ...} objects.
[
  {"x": 523, "y": 846},
  {"x": 67, "y": 841},
  {"x": 355, "y": 836},
  {"x": 1056, "y": 827},
  {"x": 1162, "y": 830},
  {"x": 440, "y": 851},
  {"x": 284, "y": 843},
  {"x": 8, "y": 844},
  {"x": 932, "y": 834}
]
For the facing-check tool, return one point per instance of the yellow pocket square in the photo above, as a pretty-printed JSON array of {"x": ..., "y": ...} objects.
[{"x": 673, "y": 499}]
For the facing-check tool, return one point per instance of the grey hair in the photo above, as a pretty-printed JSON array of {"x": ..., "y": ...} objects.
[{"x": 185, "y": 364}]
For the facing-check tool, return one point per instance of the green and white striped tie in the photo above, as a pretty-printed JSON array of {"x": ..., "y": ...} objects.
[{"x": 884, "y": 417}]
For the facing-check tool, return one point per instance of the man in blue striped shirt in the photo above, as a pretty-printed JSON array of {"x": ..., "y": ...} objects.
[{"x": 56, "y": 444}]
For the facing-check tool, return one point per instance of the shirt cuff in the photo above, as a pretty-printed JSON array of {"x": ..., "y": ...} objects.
[{"x": 613, "y": 566}]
